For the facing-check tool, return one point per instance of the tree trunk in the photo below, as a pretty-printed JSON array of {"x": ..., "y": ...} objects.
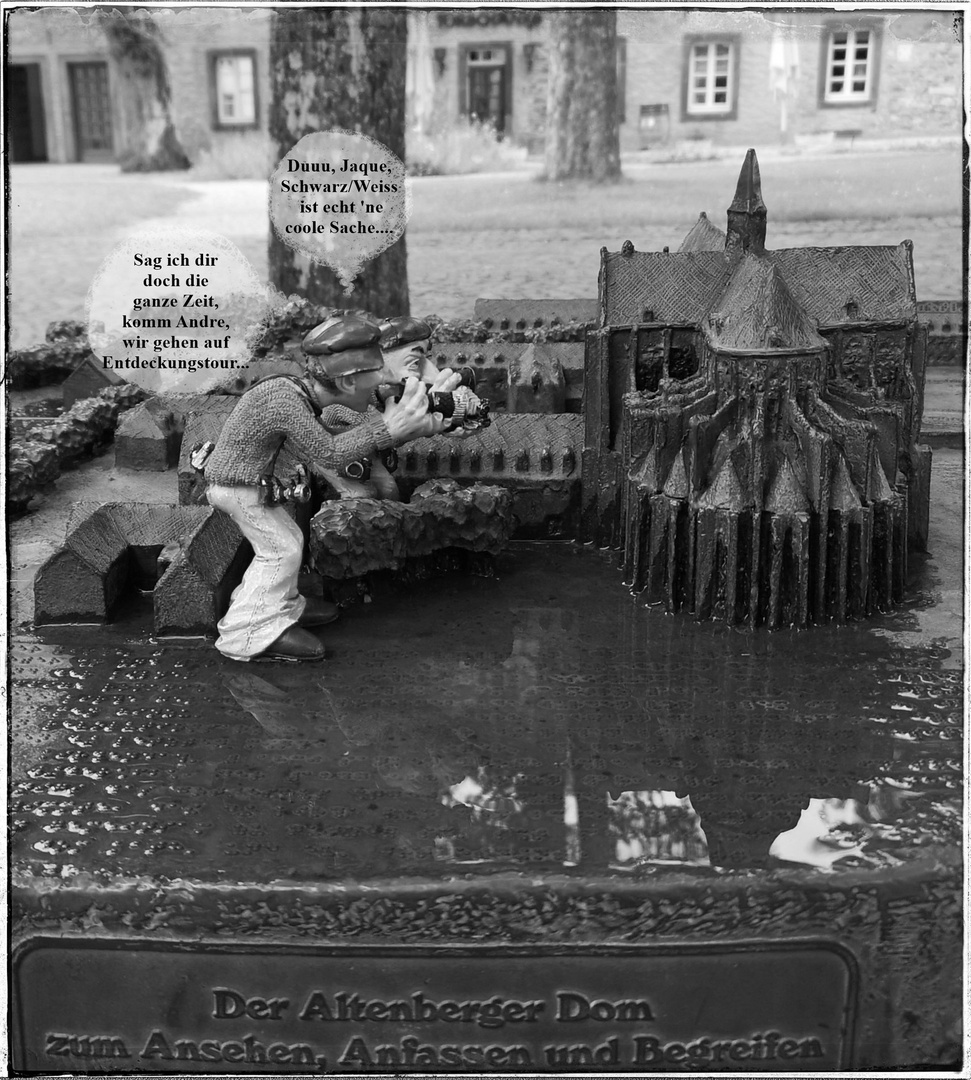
[
  {"x": 339, "y": 68},
  {"x": 143, "y": 95},
  {"x": 582, "y": 136}
]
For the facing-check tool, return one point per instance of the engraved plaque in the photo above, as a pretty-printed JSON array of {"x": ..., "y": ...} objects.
[{"x": 141, "y": 1006}]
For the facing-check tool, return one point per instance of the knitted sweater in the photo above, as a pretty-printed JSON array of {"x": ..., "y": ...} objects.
[
  {"x": 274, "y": 412},
  {"x": 338, "y": 419}
]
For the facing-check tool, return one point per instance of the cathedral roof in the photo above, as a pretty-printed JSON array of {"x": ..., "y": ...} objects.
[
  {"x": 703, "y": 236},
  {"x": 757, "y": 311},
  {"x": 851, "y": 284},
  {"x": 677, "y": 287},
  {"x": 833, "y": 285}
]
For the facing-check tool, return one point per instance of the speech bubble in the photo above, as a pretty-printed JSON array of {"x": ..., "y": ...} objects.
[
  {"x": 170, "y": 309},
  {"x": 341, "y": 198}
]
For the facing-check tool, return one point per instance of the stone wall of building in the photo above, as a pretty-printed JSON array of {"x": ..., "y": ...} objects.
[
  {"x": 917, "y": 90},
  {"x": 192, "y": 38},
  {"x": 655, "y": 74},
  {"x": 523, "y": 33},
  {"x": 55, "y": 38},
  {"x": 52, "y": 39},
  {"x": 917, "y": 60},
  {"x": 920, "y": 90}
]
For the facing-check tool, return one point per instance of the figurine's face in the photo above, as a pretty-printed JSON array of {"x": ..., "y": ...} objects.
[{"x": 409, "y": 360}]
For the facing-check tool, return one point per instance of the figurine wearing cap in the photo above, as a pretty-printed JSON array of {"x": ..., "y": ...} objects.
[
  {"x": 406, "y": 346},
  {"x": 405, "y": 343},
  {"x": 267, "y": 617}
]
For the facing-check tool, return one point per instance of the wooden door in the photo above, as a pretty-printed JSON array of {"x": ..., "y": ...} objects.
[
  {"x": 91, "y": 104},
  {"x": 487, "y": 95}
]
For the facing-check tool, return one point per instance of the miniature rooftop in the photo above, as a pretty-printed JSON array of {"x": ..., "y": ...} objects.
[{"x": 834, "y": 286}]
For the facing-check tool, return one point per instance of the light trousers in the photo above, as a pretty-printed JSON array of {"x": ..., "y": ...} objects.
[{"x": 266, "y": 602}]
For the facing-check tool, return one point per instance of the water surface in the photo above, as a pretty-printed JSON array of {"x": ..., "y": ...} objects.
[{"x": 543, "y": 720}]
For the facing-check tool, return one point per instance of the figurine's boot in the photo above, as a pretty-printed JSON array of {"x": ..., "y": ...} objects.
[
  {"x": 293, "y": 644},
  {"x": 318, "y": 612}
]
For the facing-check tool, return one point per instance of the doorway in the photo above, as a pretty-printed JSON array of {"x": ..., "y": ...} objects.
[
  {"x": 25, "y": 114},
  {"x": 487, "y": 78},
  {"x": 91, "y": 107}
]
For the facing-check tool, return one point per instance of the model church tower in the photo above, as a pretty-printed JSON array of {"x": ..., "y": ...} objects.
[{"x": 752, "y": 422}]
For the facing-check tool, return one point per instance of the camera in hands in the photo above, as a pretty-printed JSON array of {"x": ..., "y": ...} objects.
[{"x": 462, "y": 408}]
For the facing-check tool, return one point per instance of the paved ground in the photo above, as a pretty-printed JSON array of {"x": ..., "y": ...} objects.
[
  {"x": 945, "y": 407},
  {"x": 494, "y": 235},
  {"x": 143, "y": 759}
]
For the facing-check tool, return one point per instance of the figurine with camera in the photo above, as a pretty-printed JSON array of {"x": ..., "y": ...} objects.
[{"x": 267, "y": 617}]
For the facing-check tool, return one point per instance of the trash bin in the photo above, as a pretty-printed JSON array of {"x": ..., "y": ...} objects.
[{"x": 654, "y": 125}]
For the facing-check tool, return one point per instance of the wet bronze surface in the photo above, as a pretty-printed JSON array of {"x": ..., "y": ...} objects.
[{"x": 542, "y": 722}]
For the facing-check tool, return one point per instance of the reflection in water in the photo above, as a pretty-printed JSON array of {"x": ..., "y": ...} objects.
[
  {"x": 543, "y": 720},
  {"x": 494, "y": 807},
  {"x": 834, "y": 830},
  {"x": 494, "y": 802},
  {"x": 571, "y": 816},
  {"x": 818, "y": 838},
  {"x": 273, "y": 709},
  {"x": 652, "y": 827}
]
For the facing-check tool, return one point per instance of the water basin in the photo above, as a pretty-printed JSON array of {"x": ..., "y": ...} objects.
[
  {"x": 536, "y": 762},
  {"x": 544, "y": 719}
]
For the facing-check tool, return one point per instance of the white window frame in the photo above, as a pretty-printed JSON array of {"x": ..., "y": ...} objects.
[
  {"x": 234, "y": 90},
  {"x": 710, "y": 107},
  {"x": 847, "y": 94}
]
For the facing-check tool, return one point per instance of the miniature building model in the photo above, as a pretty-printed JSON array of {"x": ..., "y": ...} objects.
[{"x": 752, "y": 420}]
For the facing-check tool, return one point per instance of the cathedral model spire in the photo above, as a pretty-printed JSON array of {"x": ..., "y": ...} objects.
[
  {"x": 754, "y": 422},
  {"x": 747, "y": 214}
]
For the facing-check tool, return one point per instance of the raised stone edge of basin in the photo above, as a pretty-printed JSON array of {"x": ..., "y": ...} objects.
[
  {"x": 899, "y": 930},
  {"x": 792, "y": 891}
]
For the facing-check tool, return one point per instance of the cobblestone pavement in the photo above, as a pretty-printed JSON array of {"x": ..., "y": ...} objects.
[
  {"x": 565, "y": 263},
  {"x": 945, "y": 407},
  {"x": 64, "y": 219}
]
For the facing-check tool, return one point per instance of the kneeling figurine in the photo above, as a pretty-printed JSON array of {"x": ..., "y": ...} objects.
[{"x": 267, "y": 617}]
